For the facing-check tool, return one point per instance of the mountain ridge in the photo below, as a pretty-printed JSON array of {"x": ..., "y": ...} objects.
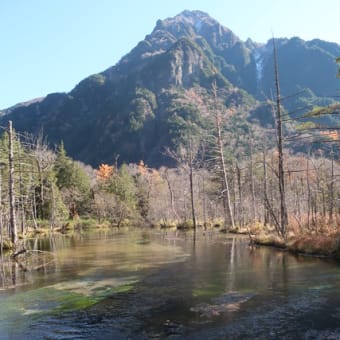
[{"x": 134, "y": 107}]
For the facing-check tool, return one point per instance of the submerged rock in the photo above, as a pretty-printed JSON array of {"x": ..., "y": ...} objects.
[{"x": 228, "y": 302}]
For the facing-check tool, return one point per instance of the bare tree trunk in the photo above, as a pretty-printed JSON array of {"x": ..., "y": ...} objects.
[
  {"x": 34, "y": 209},
  {"x": 253, "y": 210},
  {"x": 172, "y": 197},
  {"x": 21, "y": 200},
  {"x": 240, "y": 196},
  {"x": 191, "y": 180},
  {"x": 12, "y": 220},
  {"x": 226, "y": 193},
  {"x": 323, "y": 197},
  {"x": 297, "y": 199},
  {"x": 265, "y": 189},
  {"x": 34, "y": 215},
  {"x": 234, "y": 185},
  {"x": 185, "y": 216},
  {"x": 314, "y": 210},
  {"x": 41, "y": 191},
  {"x": 269, "y": 205},
  {"x": 229, "y": 218},
  {"x": 308, "y": 195},
  {"x": 53, "y": 208},
  {"x": 331, "y": 191},
  {"x": 283, "y": 207}
]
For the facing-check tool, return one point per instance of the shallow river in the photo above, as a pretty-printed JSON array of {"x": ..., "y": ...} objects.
[{"x": 144, "y": 284}]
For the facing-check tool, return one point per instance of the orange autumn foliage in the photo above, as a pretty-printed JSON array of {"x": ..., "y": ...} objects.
[
  {"x": 104, "y": 171},
  {"x": 142, "y": 168},
  {"x": 151, "y": 175}
]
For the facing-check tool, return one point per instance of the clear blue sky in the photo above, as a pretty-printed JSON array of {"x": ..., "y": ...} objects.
[{"x": 50, "y": 45}]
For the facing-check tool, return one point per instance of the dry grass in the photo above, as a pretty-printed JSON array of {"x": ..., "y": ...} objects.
[
  {"x": 6, "y": 245},
  {"x": 272, "y": 240},
  {"x": 319, "y": 236},
  {"x": 240, "y": 230},
  {"x": 320, "y": 245},
  {"x": 318, "y": 224},
  {"x": 321, "y": 240}
]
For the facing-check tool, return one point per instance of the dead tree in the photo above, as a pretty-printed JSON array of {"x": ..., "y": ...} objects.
[
  {"x": 191, "y": 180},
  {"x": 229, "y": 217},
  {"x": 187, "y": 158},
  {"x": 171, "y": 193},
  {"x": 12, "y": 219},
  {"x": 281, "y": 173},
  {"x": 331, "y": 190},
  {"x": 252, "y": 183}
]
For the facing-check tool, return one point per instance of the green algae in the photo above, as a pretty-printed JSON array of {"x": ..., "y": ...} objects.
[{"x": 23, "y": 307}]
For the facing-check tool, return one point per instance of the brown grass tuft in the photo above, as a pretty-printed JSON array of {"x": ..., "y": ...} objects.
[{"x": 315, "y": 245}]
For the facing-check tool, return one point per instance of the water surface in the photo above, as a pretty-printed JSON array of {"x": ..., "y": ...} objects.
[{"x": 154, "y": 284}]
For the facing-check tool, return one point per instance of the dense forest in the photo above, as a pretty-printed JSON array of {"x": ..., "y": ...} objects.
[{"x": 220, "y": 178}]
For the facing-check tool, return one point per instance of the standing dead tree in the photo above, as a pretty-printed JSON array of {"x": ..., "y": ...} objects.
[
  {"x": 187, "y": 158},
  {"x": 12, "y": 219},
  {"x": 283, "y": 220},
  {"x": 229, "y": 216}
]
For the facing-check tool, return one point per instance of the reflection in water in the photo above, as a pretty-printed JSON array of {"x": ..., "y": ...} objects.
[
  {"x": 230, "y": 282},
  {"x": 116, "y": 284},
  {"x": 14, "y": 273}
]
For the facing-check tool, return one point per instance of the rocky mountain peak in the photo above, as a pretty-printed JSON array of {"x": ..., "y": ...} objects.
[
  {"x": 198, "y": 23},
  {"x": 197, "y": 26},
  {"x": 195, "y": 19}
]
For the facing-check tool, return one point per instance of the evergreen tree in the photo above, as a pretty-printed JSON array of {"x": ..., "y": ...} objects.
[{"x": 73, "y": 182}]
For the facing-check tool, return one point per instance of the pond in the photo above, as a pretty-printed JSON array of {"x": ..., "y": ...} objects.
[{"x": 143, "y": 284}]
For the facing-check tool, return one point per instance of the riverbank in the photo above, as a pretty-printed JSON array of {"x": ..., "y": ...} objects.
[
  {"x": 309, "y": 244},
  {"x": 44, "y": 229}
]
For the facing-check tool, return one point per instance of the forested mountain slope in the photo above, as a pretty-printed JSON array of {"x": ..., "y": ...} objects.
[{"x": 163, "y": 87}]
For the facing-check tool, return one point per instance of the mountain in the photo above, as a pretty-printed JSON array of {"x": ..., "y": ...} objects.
[{"x": 155, "y": 93}]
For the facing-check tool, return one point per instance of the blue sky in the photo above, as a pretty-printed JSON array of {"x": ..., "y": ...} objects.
[{"x": 50, "y": 45}]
